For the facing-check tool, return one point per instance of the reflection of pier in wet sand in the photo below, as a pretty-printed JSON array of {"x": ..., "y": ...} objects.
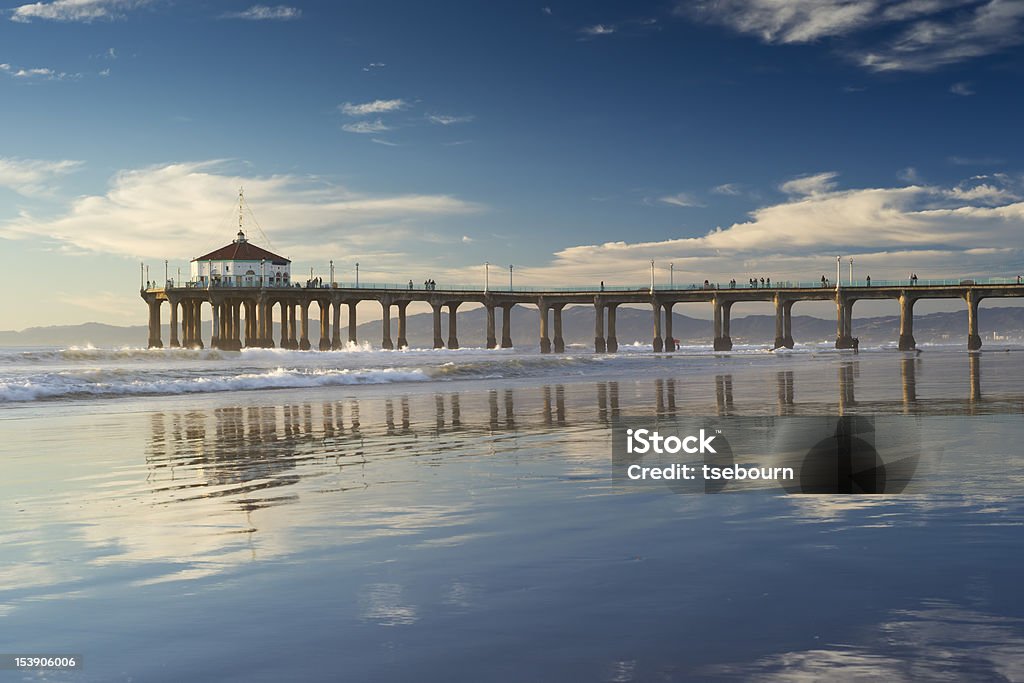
[{"x": 243, "y": 450}]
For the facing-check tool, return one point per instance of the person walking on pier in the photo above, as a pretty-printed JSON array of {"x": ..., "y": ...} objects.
[{"x": 868, "y": 278}]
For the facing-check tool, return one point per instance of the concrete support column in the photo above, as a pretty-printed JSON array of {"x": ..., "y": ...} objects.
[
  {"x": 197, "y": 325},
  {"x": 723, "y": 342},
  {"x": 973, "y": 338},
  {"x": 284, "y": 325},
  {"x": 325, "y": 325},
  {"x": 658, "y": 342},
  {"x": 154, "y": 325},
  {"x": 385, "y": 342},
  {"x": 492, "y": 340},
  {"x": 402, "y": 342},
  {"x": 336, "y": 326},
  {"x": 670, "y": 340},
  {"x": 559, "y": 341},
  {"x": 780, "y": 323},
  {"x": 236, "y": 321},
  {"x": 453, "y": 325},
  {"x": 292, "y": 327},
  {"x": 438, "y": 339},
  {"x": 545, "y": 342},
  {"x": 174, "y": 325},
  {"x": 787, "y": 325},
  {"x": 907, "y": 342},
  {"x": 599, "y": 345},
  {"x": 844, "y": 311},
  {"x": 218, "y": 329},
  {"x": 250, "y": 333},
  {"x": 304, "y": 313},
  {"x": 352, "y": 322},
  {"x": 612, "y": 340},
  {"x": 506, "y": 326},
  {"x": 267, "y": 324},
  {"x": 186, "y": 323}
]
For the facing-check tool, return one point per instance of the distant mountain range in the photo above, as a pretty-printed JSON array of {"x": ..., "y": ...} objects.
[{"x": 578, "y": 328}]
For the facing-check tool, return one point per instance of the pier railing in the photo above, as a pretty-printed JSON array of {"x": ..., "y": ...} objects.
[{"x": 450, "y": 287}]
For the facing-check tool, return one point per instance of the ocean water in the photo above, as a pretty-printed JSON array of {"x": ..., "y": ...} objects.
[{"x": 450, "y": 515}]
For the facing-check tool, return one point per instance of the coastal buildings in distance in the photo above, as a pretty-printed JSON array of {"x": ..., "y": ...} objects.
[{"x": 243, "y": 284}]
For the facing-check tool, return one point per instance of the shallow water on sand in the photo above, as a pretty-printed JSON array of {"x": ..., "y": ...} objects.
[{"x": 465, "y": 526}]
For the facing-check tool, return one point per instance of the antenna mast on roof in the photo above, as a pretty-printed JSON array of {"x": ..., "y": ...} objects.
[{"x": 241, "y": 198}]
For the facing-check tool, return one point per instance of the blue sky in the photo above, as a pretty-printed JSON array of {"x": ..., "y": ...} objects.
[{"x": 575, "y": 140}]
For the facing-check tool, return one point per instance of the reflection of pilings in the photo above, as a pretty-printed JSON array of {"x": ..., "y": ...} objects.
[
  {"x": 560, "y": 405},
  {"x": 723, "y": 394},
  {"x": 613, "y": 398},
  {"x": 659, "y": 398},
  {"x": 389, "y": 415},
  {"x": 847, "y": 372},
  {"x": 908, "y": 377},
  {"x": 456, "y": 411},
  {"x": 405, "y": 413},
  {"x": 354, "y": 415},
  {"x": 670, "y": 390},
  {"x": 439, "y": 411},
  {"x": 546, "y": 409},
  {"x": 974, "y": 363},
  {"x": 510, "y": 410},
  {"x": 492, "y": 402},
  {"x": 602, "y": 401},
  {"x": 784, "y": 383}
]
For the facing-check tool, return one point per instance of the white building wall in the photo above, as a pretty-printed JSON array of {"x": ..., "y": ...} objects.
[{"x": 239, "y": 274}]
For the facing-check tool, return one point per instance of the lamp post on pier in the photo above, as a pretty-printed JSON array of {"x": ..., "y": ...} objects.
[
  {"x": 357, "y": 274},
  {"x": 671, "y": 275},
  {"x": 510, "y": 277},
  {"x": 839, "y": 271},
  {"x": 487, "y": 276},
  {"x": 851, "y": 271},
  {"x": 652, "y": 277}
]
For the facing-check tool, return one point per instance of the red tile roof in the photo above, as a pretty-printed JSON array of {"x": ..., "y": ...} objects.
[{"x": 243, "y": 251}]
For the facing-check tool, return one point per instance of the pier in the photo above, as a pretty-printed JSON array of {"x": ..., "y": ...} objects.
[{"x": 244, "y": 316}]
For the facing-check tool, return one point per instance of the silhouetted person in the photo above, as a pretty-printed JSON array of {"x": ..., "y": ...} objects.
[{"x": 868, "y": 278}]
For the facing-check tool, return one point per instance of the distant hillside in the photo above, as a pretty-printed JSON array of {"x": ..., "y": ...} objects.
[{"x": 578, "y": 328}]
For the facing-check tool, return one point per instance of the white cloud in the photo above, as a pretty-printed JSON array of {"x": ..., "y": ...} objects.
[
  {"x": 546, "y": 10},
  {"x": 962, "y": 89},
  {"x": 37, "y": 73},
  {"x": 266, "y": 12},
  {"x": 444, "y": 120},
  {"x": 930, "y": 33},
  {"x": 375, "y": 107},
  {"x": 374, "y": 65},
  {"x": 810, "y": 184},
  {"x": 365, "y": 127},
  {"x": 176, "y": 210},
  {"x": 32, "y": 177},
  {"x": 727, "y": 189},
  {"x": 75, "y": 10},
  {"x": 386, "y": 143},
  {"x": 680, "y": 199},
  {"x": 466, "y": 239},
  {"x": 598, "y": 30},
  {"x": 934, "y": 231}
]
